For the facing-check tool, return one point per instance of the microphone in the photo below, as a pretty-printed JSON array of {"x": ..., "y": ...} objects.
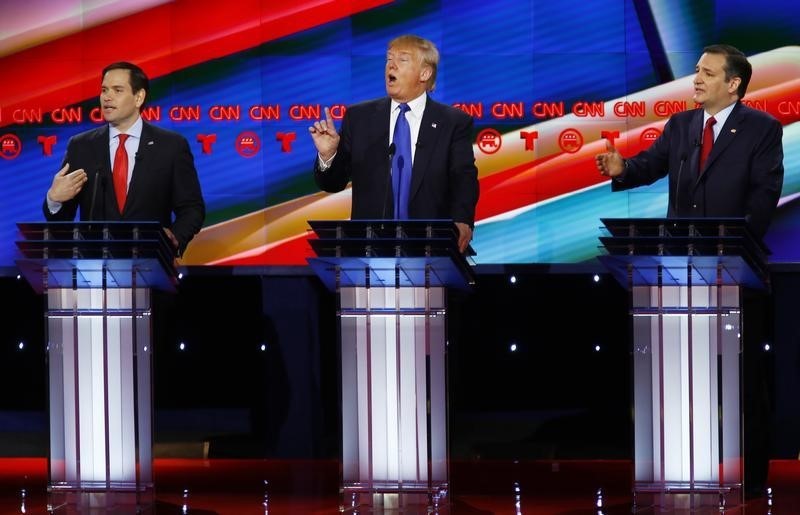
[
  {"x": 392, "y": 150},
  {"x": 94, "y": 193},
  {"x": 678, "y": 183}
]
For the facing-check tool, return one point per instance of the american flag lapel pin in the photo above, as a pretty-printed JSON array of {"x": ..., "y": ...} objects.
[
  {"x": 433, "y": 125},
  {"x": 733, "y": 131},
  {"x": 150, "y": 142}
]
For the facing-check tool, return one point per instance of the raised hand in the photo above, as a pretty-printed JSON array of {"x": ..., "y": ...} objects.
[
  {"x": 610, "y": 162},
  {"x": 325, "y": 137}
]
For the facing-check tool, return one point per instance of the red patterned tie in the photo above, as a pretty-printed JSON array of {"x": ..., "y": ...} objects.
[
  {"x": 708, "y": 142},
  {"x": 120, "y": 172}
]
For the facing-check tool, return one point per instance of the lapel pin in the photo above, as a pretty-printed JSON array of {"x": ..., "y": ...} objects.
[
  {"x": 733, "y": 131},
  {"x": 433, "y": 125},
  {"x": 150, "y": 142}
]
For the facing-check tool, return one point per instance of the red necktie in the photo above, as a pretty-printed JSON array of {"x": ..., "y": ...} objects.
[
  {"x": 708, "y": 142},
  {"x": 120, "y": 172}
]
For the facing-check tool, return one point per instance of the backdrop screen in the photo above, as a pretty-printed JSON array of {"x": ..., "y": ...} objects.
[{"x": 545, "y": 82}]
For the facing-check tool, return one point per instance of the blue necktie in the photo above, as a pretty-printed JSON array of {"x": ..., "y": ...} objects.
[{"x": 401, "y": 164}]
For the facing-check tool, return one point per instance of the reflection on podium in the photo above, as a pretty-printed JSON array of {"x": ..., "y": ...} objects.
[
  {"x": 97, "y": 279},
  {"x": 685, "y": 277},
  {"x": 391, "y": 279}
]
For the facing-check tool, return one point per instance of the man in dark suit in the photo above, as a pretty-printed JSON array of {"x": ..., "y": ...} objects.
[
  {"x": 743, "y": 173},
  {"x": 162, "y": 181},
  {"x": 723, "y": 160},
  {"x": 443, "y": 183}
]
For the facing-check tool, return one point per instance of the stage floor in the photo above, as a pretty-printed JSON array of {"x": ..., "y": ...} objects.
[{"x": 481, "y": 487}]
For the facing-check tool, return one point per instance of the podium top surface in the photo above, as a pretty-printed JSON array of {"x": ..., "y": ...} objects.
[
  {"x": 389, "y": 253},
  {"x": 691, "y": 250},
  {"x": 676, "y": 227},
  {"x": 386, "y": 229},
  {"x": 96, "y": 254}
]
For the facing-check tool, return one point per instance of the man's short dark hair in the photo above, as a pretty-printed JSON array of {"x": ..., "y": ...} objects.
[
  {"x": 138, "y": 79},
  {"x": 736, "y": 65}
]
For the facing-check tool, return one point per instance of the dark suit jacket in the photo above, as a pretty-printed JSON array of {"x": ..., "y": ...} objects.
[
  {"x": 743, "y": 175},
  {"x": 164, "y": 181},
  {"x": 444, "y": 179}
]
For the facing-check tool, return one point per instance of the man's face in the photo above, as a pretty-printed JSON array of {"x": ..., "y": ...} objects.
[
  {"x": 406, "y": 76},
  {"x": 710, "y": 87},
  {"x": 119, "y": 104}
]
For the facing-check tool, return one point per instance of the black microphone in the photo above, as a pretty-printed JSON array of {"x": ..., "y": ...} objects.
[
  {"x": 94, "y": 193},
  {"x": 392, "y": 150},
  {"x": 678, "y": 183}
]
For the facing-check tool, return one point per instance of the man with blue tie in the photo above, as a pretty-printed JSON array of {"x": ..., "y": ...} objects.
[{"x": 426, "y": 145}]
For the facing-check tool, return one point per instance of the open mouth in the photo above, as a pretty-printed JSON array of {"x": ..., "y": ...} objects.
[{"x": 391, "y": 79}]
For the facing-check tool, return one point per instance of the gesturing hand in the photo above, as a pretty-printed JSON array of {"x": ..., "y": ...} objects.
[
  {"x": 325, "y": 137},
  {"x": 66, "y": 185},
  {"x": 610, "y": 162}
]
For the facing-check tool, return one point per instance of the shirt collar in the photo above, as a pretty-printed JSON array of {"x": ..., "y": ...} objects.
[
  {"x": 416, "y": 106},
  {"x": 720, "y": 117},
  {"x": 135, "y": 130}
]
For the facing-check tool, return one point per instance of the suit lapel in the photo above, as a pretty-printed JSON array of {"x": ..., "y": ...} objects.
[
  {"x": 101, "y": 147},
  {"x": 426, "y": 143},
  {"x": 144, "y": 153},
  {"x": 726, "y": 136},
  {"x": 379, "y": 124}
]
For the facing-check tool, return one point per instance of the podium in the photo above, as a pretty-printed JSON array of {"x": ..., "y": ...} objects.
[
  {"x": 686, "y": 278},
  {"x": 390, "y": 278},
  {"x": 96, "y": 278}
]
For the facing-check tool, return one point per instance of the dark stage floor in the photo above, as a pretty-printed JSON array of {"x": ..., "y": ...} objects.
[{"x": 241, "y": 487}]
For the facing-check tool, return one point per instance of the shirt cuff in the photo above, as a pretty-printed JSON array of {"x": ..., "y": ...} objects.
[
  {"x": 324, "y": 165},
  {"x": 53, "y": 206},
  {"x": 621, "y": 177}
]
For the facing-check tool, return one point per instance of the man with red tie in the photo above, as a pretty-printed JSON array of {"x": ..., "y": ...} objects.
[
  {"x": 723, "y": 160},
  {"x": 128, "y": 169},
  {"x": 433, "y": 173}
]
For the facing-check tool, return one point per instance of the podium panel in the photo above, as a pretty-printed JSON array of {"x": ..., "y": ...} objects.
[
  {"x": 391, "y": 279},
  {"x": 393, "y": 351},
  {"x": 96, "y": 280},
  {"x": 685, "y": 278}
]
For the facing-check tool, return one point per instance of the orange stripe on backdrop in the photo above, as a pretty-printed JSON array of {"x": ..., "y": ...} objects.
[{"x": 161, "y": 40}]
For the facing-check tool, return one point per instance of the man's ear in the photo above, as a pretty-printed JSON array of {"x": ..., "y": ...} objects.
[
  {"x": 140, "y": 96},
  {"x": 733, "y": 87},
  {"x": 425, "y": 74}
]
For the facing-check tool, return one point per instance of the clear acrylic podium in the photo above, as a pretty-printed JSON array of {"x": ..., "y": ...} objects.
[
  {"x": 391, "y": 279},
  {"x": 96, "y": 278},
  {"x": 685, "y": 277}
]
